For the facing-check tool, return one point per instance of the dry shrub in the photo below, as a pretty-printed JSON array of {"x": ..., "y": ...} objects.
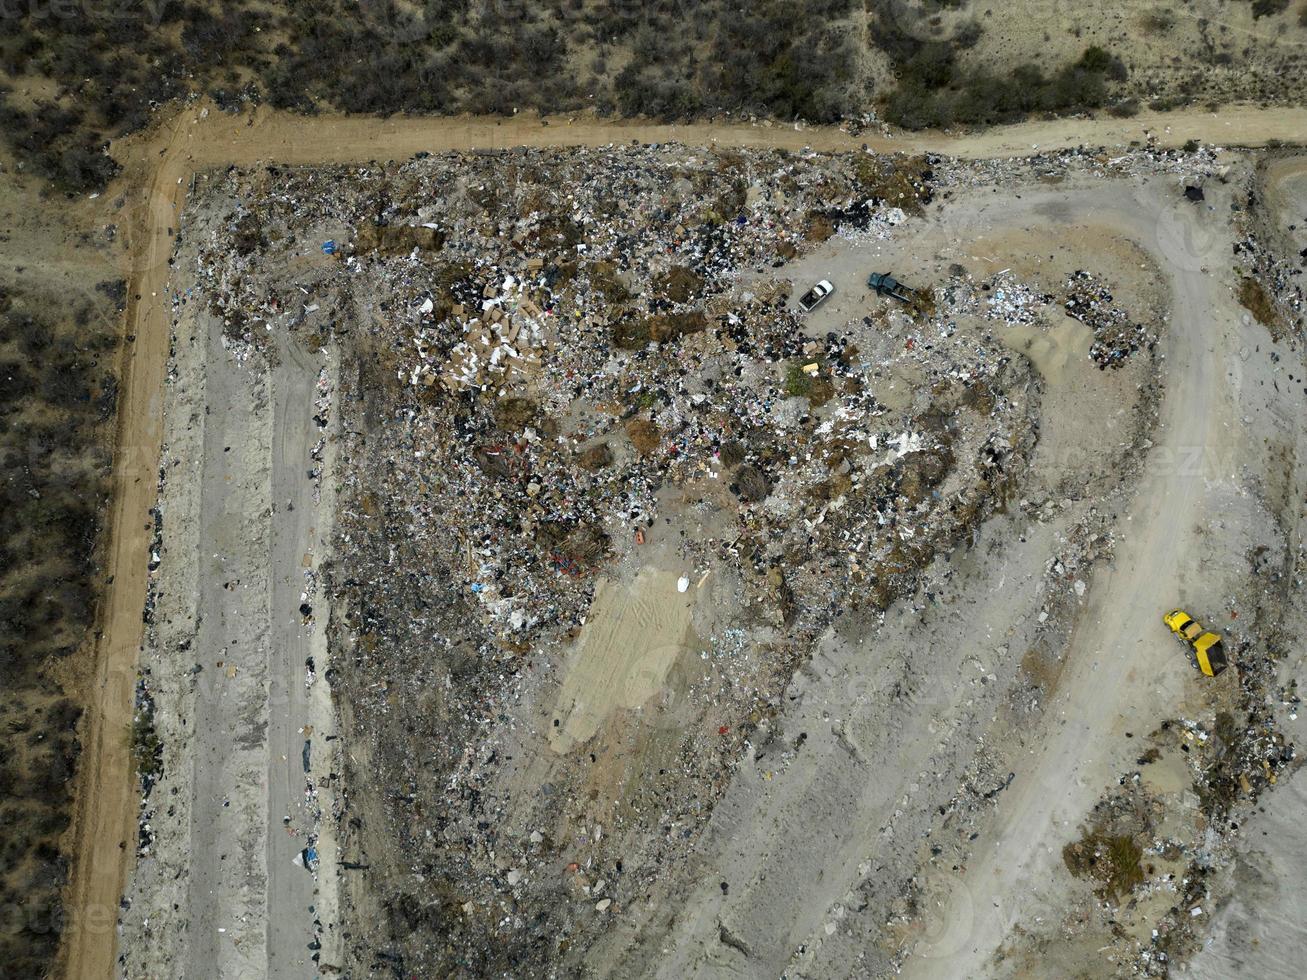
[
  {"x": 1111, "y": 861},
  {"x": 1255, "y": 299},
  {"x": 644, "y": 435},
  {"x": 900, "y": 182}
]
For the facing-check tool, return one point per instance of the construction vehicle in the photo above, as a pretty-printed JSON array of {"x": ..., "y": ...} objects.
[
  {"x": 1208, "y": 653},
  {"x": 815, "y": 296},
  {"x": 886, "y": 285}
]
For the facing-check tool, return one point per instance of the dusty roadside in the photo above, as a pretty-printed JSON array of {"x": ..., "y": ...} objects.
[
  {"x": 159, "y": 171},
  {"x": 230, "y": 830},
  {"x": 103, "y": 820}
]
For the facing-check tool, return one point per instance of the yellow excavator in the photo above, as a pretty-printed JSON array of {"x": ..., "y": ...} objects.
[{"x": 1208, "y": 653}]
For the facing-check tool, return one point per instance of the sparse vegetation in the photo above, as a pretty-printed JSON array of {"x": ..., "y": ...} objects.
[
  {"x": 1268, "y": 8},
  {"x": 57, "y": 395},
  {"x": 797, "y": 382},
  {"x": 112, "y": 64},
  {"x": 774, "y": 58},
  {"x": 1159, "y": 20},
  {"x": 1254, "y": 298},
  {"x": 935, "y": 91},
  {"x": 905, "y": 184},
  {"x": 147, "y": 750},
  {"x": 1112, "y": 861}
]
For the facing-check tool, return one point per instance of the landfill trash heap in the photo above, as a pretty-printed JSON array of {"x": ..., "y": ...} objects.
[{"x": 547, "y": 356}]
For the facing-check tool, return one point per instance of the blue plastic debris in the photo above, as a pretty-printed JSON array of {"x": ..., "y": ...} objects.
[{"x": 329, "y": 247}]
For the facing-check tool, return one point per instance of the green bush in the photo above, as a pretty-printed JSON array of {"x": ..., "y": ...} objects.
[
  {"x": 797, "y": 383},
  {"x": 1267, "y": 8},
  {"x": 929, "y": 96}
]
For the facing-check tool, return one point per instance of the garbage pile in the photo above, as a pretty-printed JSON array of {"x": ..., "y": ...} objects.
[
  {"x": 1194, "y": 163},
  {"x": 1271, "y": 287},
  {"x": 581, "y": 361},
  {"x": 1002, "y": 298},
  {"x": 1116, "y": 335}
]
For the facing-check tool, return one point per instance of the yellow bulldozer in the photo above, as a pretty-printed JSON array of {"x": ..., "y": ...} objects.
[{"x": 1205, "y": 646}]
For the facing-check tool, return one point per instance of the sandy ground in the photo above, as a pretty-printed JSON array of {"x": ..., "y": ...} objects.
[
  {"x": 107, "y": 794},
  {"x": 792, "y": 844},
  {"x": 219, "y": 891},
  {"x": 1261, "y": 932},
  {"x": 212, "y": 139},
  {"x": 1257, "y": 927},
  {"x": 301, "y": 714},
  {"x": 159, "y": 168},
  {"x": 1237, "y": 51},
  {"x": 1158, "y": 557},
  {"x": 633, "y": 634}
]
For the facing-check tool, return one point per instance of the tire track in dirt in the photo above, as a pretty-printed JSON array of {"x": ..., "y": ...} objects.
[
  {"x": 783, "y": 897},
  {"x": 1117, "y": 677},
  {"x": 103, "y": 829}
]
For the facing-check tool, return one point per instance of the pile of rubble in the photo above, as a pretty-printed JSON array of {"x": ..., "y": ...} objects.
[
  {"x": 1271, "y": 287},
  {"x": 1001, "y": 298},
  {"x": 554, "y": 358},
  {"x": 1116, "y": 335},
  {"x": 1195, "y": 163}
]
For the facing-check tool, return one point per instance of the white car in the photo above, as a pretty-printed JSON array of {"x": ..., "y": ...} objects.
[{"x": 815, "y": 296}]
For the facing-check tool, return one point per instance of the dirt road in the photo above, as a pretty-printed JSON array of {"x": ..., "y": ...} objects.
[
  {"x": 219, "y": 139},
  {"x": 107, "y": 794},
  {"x": 248, "y": 908},
  {"x": 1118, "y": 677},
  {"x": 298, "y": 542},
  {"x": 231, "y": 640},
  {"x": 222, "y": 887},
  {"x": 791, "y": 845},
  {"x": 158, "y": 169}
]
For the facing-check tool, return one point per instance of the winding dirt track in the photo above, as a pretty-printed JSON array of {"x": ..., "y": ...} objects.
[
  {"x": 156, "y": 179},
  {"x": 1115, "y": 669}
]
